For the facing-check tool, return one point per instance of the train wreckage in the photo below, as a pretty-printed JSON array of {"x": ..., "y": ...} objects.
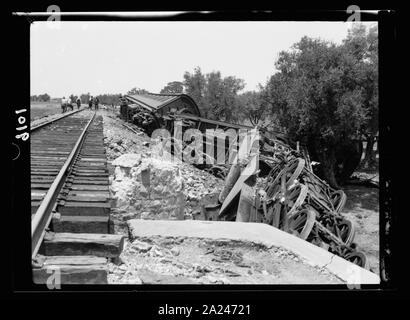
[{"x": 273, "y": 182}]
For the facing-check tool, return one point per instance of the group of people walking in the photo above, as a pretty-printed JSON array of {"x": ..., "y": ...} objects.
[
  {"x": 68, "y": 103},
  {"x": 93, "y": 101}
]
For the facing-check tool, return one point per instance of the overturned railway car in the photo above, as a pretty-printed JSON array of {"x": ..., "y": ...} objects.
[
  {"x": 148, "y": 110},
  {"x": 152, "y": 110}
]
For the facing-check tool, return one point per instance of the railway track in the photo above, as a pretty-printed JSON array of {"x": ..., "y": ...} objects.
[{"x": 71, "y": 201}]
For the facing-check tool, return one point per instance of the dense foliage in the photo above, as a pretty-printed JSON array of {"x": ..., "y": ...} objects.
[
  {"x": 40, "y": 98},
  {"x": 216, "y": 96},
  {"x": 325, "y": 95}
]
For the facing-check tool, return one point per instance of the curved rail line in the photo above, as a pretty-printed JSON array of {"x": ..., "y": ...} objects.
[{"x": 43, "y": 215}]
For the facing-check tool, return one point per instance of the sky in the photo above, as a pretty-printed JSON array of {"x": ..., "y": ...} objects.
[{"x": 113, "y": 57}]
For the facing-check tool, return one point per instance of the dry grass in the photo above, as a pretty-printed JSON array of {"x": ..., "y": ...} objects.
[{"x": 43, "y": 109}]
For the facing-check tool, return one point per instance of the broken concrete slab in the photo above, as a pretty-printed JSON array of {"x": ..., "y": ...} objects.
[
  {"x": 127, "y": 160},
  {"x": 258, "y": 233},
  {"x": 150, "y": 277}
]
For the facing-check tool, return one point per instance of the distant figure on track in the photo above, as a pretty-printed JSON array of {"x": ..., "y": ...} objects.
[
  {"x": 90, "y": 103},
  {"x": 78, "y": 103},
  {"x": 64, "y": 102},
  {"x": 96, "y": 101},
  {"x": 70, "y": 103}
]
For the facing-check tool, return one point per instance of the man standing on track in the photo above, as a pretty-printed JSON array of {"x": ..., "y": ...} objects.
[
  {"x": 78, "y": 103},
  {"x": 70, "y": 102},
  {"x": 96, "y": 103},
  {"x": 64, "y": 102},
  {"x": 90, "y": 103}
]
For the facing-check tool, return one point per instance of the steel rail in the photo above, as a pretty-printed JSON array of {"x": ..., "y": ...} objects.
[
  {"x": 55, "y": 119},
  {"x": 43, "y": 215},
  {"x": 131, "y": 129}
]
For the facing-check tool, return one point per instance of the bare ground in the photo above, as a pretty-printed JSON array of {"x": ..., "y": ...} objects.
[
  {"x": 362, "y": 207},
  {"x": 197, "y": 261}
]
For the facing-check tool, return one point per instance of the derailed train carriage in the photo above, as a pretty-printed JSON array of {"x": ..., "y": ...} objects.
[{"x": 288, "y": 195}]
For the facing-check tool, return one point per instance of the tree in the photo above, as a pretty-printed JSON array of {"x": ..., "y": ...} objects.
[
  {"x": 85, "y": 97},
  {"x": 73, "y": 97},
  {"x": 231, "y": 87},
  {"x": 136, "y": 90},
  {"x": 173, "y": 87},
  {"x": 109, "y": 99},
  {"x": 220, "y": 96},
  {"x": 194, "y": 85},
  {"x": 319, "y": 96},
  {"x": 41, "y": 97},
  {"x": 252, "y": 107},
  {"x": 363, "y": 45},
  {"x": 215, "y": 96}
]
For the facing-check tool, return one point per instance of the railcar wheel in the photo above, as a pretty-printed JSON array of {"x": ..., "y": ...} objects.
[
  {"x": 279, "y": 209},
  {"x": 302, "y": 222},
  {"x": 358, "y": 258},
  {"x": 338, "y": 200},
  {"x": 218, "y": 172},
  {"x": 345, "y": 231},
  {"x": 291, "y": 172}
]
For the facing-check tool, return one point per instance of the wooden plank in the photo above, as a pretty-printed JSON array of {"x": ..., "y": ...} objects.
[
  {"x": 230, "y": 180},
  {"x": 87, "y": 187},
  {"x": 35, "y": 197},
  {"x": 245, "y": 206},
  {"x": 40, "y": 186},
  {"x": 86, "y": 198},
  {"x": 97, "y": 182},
  {"x": 88, "y": 170},
  {"x": 85, "y": 208},
  {"x": 73, "y": 244},
  {"x": 91, "y": 174},
  {"x": 80, "y": 224},
  {"x": 73, "y": 260},
  {"x": 72, "y": 270},
  {"x": 249, "y": 171}
]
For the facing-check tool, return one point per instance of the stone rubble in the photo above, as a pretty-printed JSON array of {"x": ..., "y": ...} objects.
[
  {"x": 129, "y": 154},
  {"x": 202, "y": 261}
]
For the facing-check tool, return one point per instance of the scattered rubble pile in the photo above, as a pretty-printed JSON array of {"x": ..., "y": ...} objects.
[
  {"x": 163, "y": 260},
  {"x": 120, "y": 140},
  {"x": 147, "y": 188},
  {"x": 126, "y": 180},
  {"x": 150, "y": 188}
]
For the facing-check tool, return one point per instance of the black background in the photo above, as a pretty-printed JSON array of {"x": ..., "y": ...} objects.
[{"x": 17, "y": 280}]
